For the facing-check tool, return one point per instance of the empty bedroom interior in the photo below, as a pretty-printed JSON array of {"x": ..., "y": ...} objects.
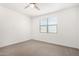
[{"x": 39, "y": 29}]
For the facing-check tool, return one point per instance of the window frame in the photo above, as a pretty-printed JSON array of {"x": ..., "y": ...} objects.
[{"x": 48, "y": 26}]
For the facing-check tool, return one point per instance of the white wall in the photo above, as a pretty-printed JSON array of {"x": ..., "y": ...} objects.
[
  {"x": 77, "y": 26},
  {"x": 14, "y": 27},
  {"x": 67, "y": 28}
]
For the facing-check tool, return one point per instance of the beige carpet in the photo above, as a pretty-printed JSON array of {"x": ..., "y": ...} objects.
[{"x": 37, "y": 48}]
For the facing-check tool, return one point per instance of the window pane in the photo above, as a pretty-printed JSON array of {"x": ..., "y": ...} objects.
[
  {"x": 43, "y": 22},
  {"x": 43, "y": 28},
  {"x": 52, "y": 20},
  {"x": 52, "y": 29}
]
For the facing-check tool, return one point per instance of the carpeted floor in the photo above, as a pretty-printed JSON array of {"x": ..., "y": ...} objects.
[{"x": 37, "y": 48}]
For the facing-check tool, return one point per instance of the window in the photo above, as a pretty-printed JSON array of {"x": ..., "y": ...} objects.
[{"x": 48, "y": 25}]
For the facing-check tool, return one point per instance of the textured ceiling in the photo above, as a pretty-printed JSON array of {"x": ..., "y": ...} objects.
[{"x": 44, "y": 8}]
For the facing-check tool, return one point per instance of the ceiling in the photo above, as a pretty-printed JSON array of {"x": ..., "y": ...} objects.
[{"x": 44, "y": 8}]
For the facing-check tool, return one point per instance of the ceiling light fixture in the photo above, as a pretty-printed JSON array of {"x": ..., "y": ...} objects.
[{"x": 32, "y": 5}]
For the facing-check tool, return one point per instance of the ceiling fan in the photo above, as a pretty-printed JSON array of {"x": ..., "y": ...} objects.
[{"x": 32, "y": 5}]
